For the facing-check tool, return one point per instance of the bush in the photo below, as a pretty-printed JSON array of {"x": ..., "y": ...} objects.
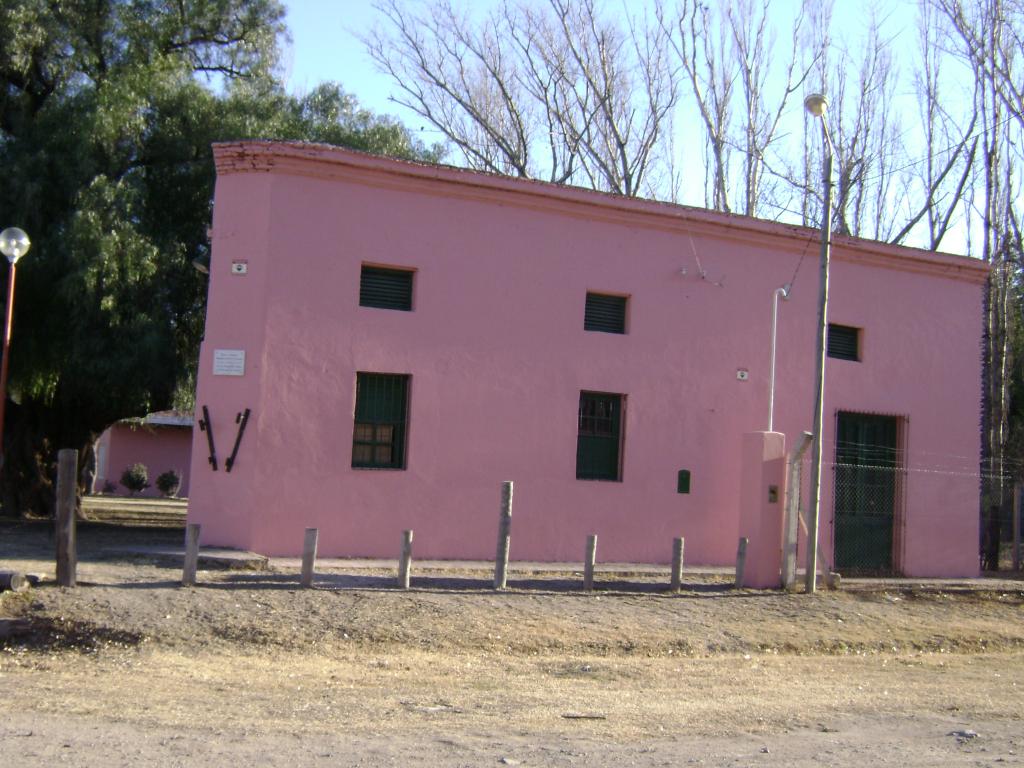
[
  {"x": 135, "y": 478},
  {"x": 168, "y": 483}
]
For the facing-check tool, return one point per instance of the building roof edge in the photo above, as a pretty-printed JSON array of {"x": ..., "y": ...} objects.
[{"x": 327, "y": 161}]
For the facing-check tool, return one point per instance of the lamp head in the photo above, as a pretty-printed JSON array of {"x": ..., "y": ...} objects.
[
  {"x": 14, "y": 243},
  {"x": 816, "y": 104}
]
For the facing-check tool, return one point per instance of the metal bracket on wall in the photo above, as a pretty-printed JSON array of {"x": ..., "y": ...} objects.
[
  {"x": 206, "y": 426},
  {"x": 241, "y": 420}
]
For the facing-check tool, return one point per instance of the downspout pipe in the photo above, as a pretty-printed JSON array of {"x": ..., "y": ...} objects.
[{"x": 784, "y": 293}]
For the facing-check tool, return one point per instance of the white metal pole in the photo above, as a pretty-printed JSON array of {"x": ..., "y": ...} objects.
[{"x": 784, "y": 292}]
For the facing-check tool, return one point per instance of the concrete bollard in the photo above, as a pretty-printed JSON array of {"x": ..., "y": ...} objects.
[
  {"x": 504, "y": 537},
  {"x": 677, "y": 564},
  {"x": 588, "y": 562},
  {"x": 188, "y": 575},
  {"x": 741, "y": 561},
  {"x": 405, "y": 564},
  {"x": 309, "y": 545}
]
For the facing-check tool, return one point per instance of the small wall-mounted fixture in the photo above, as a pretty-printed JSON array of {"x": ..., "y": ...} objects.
[
  {"x": 742, "y": 374},
  {"x": 702, "y": 274},
  {"x": 239, "y": 267},
  {"x": 773, "y": 494},
  {"x": 683, "y": 481}
]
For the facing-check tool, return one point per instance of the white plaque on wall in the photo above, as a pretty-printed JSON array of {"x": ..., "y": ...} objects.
[{"x": 229, "y": 362}]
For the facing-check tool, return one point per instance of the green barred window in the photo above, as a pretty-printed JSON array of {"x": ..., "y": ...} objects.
[
  {"x": 378, "y": 440},
  {"x": 598, "y": 444}
]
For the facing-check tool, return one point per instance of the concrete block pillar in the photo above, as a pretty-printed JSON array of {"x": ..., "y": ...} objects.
[{"x": 762, "y": 496}]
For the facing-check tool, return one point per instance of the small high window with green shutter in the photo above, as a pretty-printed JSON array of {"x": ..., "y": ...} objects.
[
  {"x": 599, "y": 440},
  {"x": 843, "y": 342},
  {"x": 604, "y": 313},
  {"x": 385, "y": 288},
  {"x": 378, "y": 439}
]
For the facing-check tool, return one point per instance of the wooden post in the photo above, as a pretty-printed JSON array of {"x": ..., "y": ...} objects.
[
  {"x": 791, "y": 523},
  {"x": 677, "y": 564},
  {"x": 309, "y": 556},
  {"x": 1016, "y": 526},
  {"x": 188, "y": 575},
  {"x": 741, "y": 561},
  {"x": 588, "y": 562},
  {"x": 791, "y": 519},
  {"x": 405, "y": 564},
  {"x": 504, "y": 536},
  {"x": 67, "y": 543}
]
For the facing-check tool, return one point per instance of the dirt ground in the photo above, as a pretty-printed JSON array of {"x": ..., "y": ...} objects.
[{"x": 129, "y": 668}]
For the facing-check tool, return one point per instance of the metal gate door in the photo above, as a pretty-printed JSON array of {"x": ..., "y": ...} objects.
[{"x": 867, "y": 463}]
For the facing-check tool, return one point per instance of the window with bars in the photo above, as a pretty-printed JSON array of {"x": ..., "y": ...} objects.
[
  {"x": 599, "y": 441},
  {"x": 604, "y": 313},
  {"x": 378, "y": 439},
  {"x": 385, "y": 288},
  {"x": 843, "y": 342}
]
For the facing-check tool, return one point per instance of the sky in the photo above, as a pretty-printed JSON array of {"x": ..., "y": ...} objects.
[{"x": 325, "y": 47}]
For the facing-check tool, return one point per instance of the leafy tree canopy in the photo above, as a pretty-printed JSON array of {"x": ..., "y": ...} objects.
[{"x": 107, "y": 114}]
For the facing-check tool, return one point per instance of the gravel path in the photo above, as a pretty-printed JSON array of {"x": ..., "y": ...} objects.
[{"x": 130, "y": 668}]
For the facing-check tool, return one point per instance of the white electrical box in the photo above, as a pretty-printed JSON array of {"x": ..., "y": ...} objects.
[
  {"x": 742, "y": 374},
  {"x": 239, "y": 267}
]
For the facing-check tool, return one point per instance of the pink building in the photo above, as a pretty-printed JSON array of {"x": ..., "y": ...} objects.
[
  {"x": 397, "y": 339},
  {"x": 162, "y": 441}
]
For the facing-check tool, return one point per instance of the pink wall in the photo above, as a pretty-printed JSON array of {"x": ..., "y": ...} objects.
[
  {"x": 160, "y": 448},
  {"x": 498, "y": 356}
]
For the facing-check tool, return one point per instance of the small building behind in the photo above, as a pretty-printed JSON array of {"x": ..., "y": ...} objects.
[{"x": 161, "y": 441}]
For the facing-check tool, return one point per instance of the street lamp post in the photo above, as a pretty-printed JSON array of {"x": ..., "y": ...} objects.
[
  {"x": 816, "y": 104},
  {"x": 14, "y": 244}
]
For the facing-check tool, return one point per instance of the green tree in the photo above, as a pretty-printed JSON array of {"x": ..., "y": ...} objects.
[{"x": 108, "y": 109}]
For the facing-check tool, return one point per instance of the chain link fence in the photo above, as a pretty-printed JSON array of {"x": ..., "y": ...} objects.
[
  {"x": 866, "y": 498},
  {"x": 998, "y": 491}
]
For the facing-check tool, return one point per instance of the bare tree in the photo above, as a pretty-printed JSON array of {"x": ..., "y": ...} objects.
[
  {"x": 753, "y": 46},
  {"x": 741, "y": 90},
  {"x": 623, "y": 93},
  {"x": 988, "y": 36},
  {"x": 950, "y": 145},
  {"x": 700, "y": 42},
  {"x": 458, "y": 78},
  {"x": 864, "y": 129},
  {"x": 995, "y": 48},
  {"x": 561, "y": 81},
  {"x": 558, "y": 89},
  {"x": 542, "y": 76}
]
